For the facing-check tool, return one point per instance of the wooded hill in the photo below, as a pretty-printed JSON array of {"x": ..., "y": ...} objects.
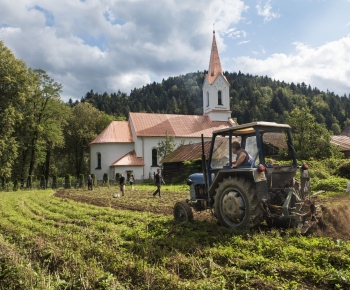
[{"x": 252, "y": 98}]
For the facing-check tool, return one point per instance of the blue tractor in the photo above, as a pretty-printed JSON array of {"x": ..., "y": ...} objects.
[{"x": 265, "y": 190}]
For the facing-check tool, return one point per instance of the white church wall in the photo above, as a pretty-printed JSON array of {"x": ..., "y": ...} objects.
[{"x": 110, "y": 152}]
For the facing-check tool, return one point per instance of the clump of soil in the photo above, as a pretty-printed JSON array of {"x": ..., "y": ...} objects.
[{"x": 335, "y": 219}]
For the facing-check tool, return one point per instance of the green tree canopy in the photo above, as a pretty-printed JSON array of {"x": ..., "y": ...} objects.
[
  {"x": 311, "y": 140},
  {"x": 13, "y": 90}
]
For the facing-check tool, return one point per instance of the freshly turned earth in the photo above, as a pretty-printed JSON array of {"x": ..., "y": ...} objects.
[{"x": 335, "y": 210}]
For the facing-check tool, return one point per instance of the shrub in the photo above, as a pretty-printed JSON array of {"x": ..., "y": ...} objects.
[
  {"x": 3, "y": 182},
  {"x": 318, "y": 170},
  {"x": 335, "y": 184},
  {"x": 42, "y": 181},
  {"x": 81, "y": 180},
  {"x": 29, "y": 181},
  {"x": 105, "y": 179},
  {"x": 15, "y": 185},
  {"x": 54, "y": 181},
  {"x": 344, "y": 170},
  {"x": 67, "y": 181}
]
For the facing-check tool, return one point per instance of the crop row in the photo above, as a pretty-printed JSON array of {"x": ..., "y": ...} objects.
[{"x": 53, "y": 243}]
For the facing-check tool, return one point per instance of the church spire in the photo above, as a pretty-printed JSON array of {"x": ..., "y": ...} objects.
[
  {"x": 216, "y": 89},
  {"x": 214, "y": 63}
]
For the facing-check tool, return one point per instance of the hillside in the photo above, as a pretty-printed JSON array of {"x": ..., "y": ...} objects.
[{"x": 252, "y": 98}]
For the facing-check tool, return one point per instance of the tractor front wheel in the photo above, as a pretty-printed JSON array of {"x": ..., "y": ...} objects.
[
  {"x": 236, "y": 203},
  {"x": 183, "y": 212}
]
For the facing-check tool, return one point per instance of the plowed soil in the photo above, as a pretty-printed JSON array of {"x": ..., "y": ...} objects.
[{"x": 335, "y": 210}]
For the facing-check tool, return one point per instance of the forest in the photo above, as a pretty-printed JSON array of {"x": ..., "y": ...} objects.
[{"x": 44, "y": 136}]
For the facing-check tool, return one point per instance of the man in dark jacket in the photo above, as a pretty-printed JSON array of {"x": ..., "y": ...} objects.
[
  {"x": 89, "y": 181},
  {"x": 158, "y": 179},
  {"x": 122, "y": 184}
]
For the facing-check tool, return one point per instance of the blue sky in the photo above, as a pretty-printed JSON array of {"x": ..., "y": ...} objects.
[{"x": 111, "y": 45}]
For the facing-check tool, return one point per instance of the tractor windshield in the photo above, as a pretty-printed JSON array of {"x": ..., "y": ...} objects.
[{"x": 220, "y": 156}]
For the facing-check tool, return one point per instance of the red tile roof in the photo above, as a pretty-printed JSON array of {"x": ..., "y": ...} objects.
[
  {"x": 129, "y": 159},
  {"x": 342, "y": 141},
  {"x": 157, "y": 125},
  {"x": 115, "y": 132},
  {"x": 187, "y": 152},
  {"x": 215, "y": 68},
  {"x": 194, "y": 151}
]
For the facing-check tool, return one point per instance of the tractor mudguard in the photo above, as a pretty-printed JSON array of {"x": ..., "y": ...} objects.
[{"x": 249, "y": 173}]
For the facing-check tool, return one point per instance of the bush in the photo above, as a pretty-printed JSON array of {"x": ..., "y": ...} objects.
[
  {"x": 67, "y": 181},
  {"x": 318, "y": 170},
  {"x": 42, "y": 182},
  {"x": 54, "y": 181},
  {"x": 105, "y": 179},
  {"x": 117, "y": 176},
  {"x": 81, "y": 180},
  {"x": 335, "y": 184},
  {"x": 15, "y": 185},
  {"x": 3, "y": 182},
  {"x": 29, "y": 181},
  {"x": 344, "y": 170}
]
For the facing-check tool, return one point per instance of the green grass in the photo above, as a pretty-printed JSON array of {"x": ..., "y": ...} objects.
[{"x": 54, "y": 243}]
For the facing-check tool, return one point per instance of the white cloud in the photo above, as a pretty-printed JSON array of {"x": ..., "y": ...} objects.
[
  {"x": 325, "y": 67},
  {"x": 243, "y": 42},
  {"x": 106, "y": 45},
  {"x": 265, "y": 10}
]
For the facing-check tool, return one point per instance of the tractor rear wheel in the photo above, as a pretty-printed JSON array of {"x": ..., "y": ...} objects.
[
  {"x": 236, "y": 203},
  {"x": 183, "y": 212}
]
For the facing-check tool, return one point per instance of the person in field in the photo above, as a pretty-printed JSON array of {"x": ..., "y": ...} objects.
[
  {"x": 122, "y": 184},
  {"x": 158, "y": 180}
]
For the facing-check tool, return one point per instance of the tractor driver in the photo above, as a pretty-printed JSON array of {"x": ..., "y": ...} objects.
[{"x": 242, "y": 158}]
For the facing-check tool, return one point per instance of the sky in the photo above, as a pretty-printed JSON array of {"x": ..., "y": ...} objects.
[{"x": 111, "y": 45}]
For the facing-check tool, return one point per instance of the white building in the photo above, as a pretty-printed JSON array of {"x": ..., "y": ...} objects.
[{"x": 130, "y": 147}]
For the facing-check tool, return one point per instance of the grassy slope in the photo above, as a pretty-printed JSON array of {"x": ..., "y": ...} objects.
[{"x": 52, "y": 243}]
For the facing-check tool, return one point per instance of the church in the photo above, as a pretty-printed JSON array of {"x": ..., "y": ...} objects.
[{"x": 130, "y": 147}]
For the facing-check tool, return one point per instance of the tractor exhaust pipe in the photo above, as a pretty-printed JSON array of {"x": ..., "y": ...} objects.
[{"x": 204, "y": 163}]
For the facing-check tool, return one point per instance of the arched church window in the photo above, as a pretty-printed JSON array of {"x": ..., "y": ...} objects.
[
  {"x": 219, "y": 98},
  {"x": 207, "y": 99},
  {"x": 154, "y": 157},
  {"x": 98, "y": 161}
]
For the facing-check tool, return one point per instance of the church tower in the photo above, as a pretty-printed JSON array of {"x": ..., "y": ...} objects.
[{"x": 216, "y": 93}]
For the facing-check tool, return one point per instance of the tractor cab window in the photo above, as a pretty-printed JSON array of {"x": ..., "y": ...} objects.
[
  {"x": 275, "y": 147},
  {"x": 252, "y": 148},
  {"x": 220, "y": 156}
]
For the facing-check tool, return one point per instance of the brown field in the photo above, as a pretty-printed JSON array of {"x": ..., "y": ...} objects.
[{"x": 335, "y": 209}]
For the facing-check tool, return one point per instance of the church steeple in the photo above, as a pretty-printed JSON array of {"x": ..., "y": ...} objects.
[
  {"x": 214, "y": 63},
  {"x": 216, "y": 89}
]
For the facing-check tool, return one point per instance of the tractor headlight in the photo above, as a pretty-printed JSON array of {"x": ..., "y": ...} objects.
[
  {"x": 261, "y": 168},
  {"x": 305, "y": 166}
]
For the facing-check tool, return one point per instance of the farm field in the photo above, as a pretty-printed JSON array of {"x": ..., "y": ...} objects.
[{"x": 79, "y": 239}]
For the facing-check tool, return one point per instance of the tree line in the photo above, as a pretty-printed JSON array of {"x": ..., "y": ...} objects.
[{"x": 252, "y": 98}]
